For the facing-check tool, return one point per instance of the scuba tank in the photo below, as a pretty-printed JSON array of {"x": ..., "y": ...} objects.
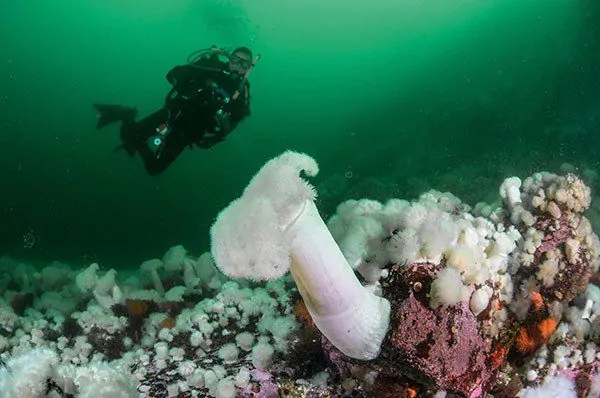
[{"x": 195, "y": 58}]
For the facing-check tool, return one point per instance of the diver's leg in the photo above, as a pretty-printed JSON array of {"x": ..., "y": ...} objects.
[
  {"x": 134, "y": 135},
  {"x": 147, "y": 126},
  {"x": 173, "y": 147}
]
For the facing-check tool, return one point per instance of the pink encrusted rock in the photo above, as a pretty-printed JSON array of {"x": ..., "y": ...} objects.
[
  {"x": 554, "y": 205},
  {"x": 428, "y": 349},
  {"x": 442, "y": 346},
  {"x": 569, "y": 284}
]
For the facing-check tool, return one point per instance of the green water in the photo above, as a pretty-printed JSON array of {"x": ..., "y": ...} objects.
[{"x": 391, "y": 97}]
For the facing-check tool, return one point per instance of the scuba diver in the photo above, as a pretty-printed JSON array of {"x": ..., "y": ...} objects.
[{"x": 208, "y": 100}]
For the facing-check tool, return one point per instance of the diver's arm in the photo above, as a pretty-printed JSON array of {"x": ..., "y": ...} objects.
[
  {"x": 212, "y": 138},
  {"x": 238, "y": 110},
  {"x": 246, "y": 99},
  {"x": 240, "y": 107}
]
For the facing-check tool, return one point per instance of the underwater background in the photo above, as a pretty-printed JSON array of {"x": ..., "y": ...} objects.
[{"x": 390, "y": 97}]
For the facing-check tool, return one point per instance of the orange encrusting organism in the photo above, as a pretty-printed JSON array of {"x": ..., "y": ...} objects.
[
  {"x": 498, "y": 357},
  {"x": 547, "y": 327},
  {"x": 533, "y": 336},
  {"x": 536, "y": 300}
]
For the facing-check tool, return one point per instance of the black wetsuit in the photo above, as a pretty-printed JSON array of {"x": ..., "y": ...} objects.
[{"x": 189, "y": 110}]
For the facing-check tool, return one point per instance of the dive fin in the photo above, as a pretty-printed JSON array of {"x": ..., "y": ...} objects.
[{"x": 108, "y": 114}]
